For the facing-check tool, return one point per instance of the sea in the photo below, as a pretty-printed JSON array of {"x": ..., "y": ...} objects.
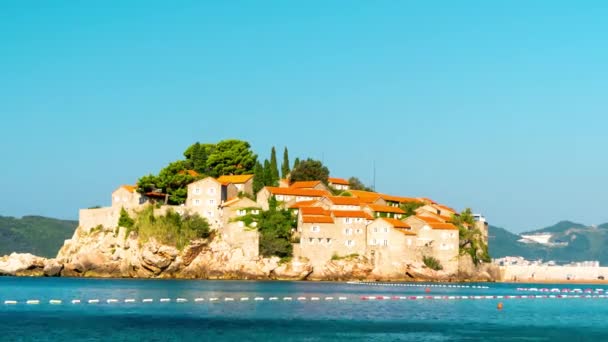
[{"x": 72, "y": 309}]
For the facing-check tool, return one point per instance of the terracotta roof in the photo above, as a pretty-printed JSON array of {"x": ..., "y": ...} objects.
[
  {"x": 344, "y": 200},
  {"x": 317, "y": 219},
  {"x": 155, "y": 194},
  {"x": 405, "y": 231},
  {"x": 305, "y": 184},
  {"x": 396, "y": 223},
  {"x": 129, "y": 188},
  {"x": 297, "y": 192},
  {"x": 433, "y": 215},
  {"x": 399, "y": 199},
  {"x": 437, "y": 224},
  {"x": 235, "y": 179},
  {"x": 313, "y": 211},
  {"x": 352, "y": 213},
  {"x": 361, "y": 193},
  {"x": 303, "y": 204},
  {"x": 190, "y": 172},
  {"x": 340, "y": 181},
  {"x": 385, "y": 208},
  {"x": 443, "y": 207}
]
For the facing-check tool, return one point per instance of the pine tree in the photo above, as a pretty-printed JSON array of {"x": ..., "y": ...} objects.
[
  {"x": 285, "y": 165},
  {"x": 274, "y": 169},
  {"x": 295, "y": 163},
  {"x": 258, "y": 177}
]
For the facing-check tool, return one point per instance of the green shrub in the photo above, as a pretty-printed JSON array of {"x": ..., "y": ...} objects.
[
  {"x": 432, "y": 263},
  {"x": 125, "y": 220}
]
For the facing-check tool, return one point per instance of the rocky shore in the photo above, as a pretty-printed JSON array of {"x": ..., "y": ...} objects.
[{"x": 113, "y": 253}]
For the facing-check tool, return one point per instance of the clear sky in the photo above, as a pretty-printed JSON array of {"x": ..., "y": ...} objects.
[{"x": 495, "y": 105}]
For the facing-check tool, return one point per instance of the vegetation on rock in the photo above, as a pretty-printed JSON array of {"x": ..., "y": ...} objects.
[
  {"x": 432, "y": 263},
  {"x": 471, "y": 239}
]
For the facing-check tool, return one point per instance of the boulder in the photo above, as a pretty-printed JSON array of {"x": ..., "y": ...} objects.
[
  {"x": 52, "y": 268},
  {"x": 21, "y": 264}
]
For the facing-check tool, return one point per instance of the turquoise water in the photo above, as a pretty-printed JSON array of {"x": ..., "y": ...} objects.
[{"x": 331, "y": 319}]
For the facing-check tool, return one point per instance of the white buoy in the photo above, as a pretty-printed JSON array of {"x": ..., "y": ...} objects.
[
  {"x": 147, "y": 300},
  {"x": 54, "y": 301},
  {"x": 10, "y": 302},
  {"x": 76, "y": 301},
  {"x": 93, "y": 301},
  {"x": 181, "y": 300},
  {"x": 111, "y": 301},
  {"x": 165, "y": 300},
  {"x": 130, "y": 300},
  {"x": 197, "y": 300},
  {"x": 33, "y": 302}
]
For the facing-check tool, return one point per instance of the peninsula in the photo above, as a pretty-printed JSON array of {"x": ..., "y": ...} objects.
[{"x": 222, "y": 214}]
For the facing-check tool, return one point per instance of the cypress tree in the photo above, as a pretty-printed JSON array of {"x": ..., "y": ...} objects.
[
  {"x": 285, "y": 165},
  {"x": 274, "y": 169},
  {"x": 267, "y": 173},
  {"x": 258, "y": 178},
  {"x": 295, "y": 163}
]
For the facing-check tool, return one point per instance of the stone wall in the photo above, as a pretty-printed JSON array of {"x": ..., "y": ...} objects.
[{"x": 91, "y": 218}]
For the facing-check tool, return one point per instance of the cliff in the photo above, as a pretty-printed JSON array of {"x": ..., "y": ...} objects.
[{"x": 115, "y": 253}]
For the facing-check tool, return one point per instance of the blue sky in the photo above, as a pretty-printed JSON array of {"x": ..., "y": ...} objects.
[{"x": 499, "y": 106}]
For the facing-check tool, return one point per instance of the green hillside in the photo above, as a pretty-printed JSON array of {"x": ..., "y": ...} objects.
[
  {"x": 573, "y": 242},
  {"x": 38, "y": 235}
]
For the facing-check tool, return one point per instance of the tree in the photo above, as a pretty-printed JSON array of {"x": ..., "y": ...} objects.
[
  {"x": 471, "y": 240},
  {"x": 285, "y": 164},
  {"x": 174, "y": 181},
  {"x": 258, "y": 178},
  {"x": 275, "y": 232},
  {"x": 197, "y": 155},
  {"x": 308, "y": 170},
  {"x": 296, "y": 163},
  {"x": 274, "y": 169},
  {"x": 148, "y": 183},
  {"x": 356, "y": 184},
  {"x": 231, "y": 157},
  {"x": 267, "y": 173},
  {"x": 410, "y": 207}
]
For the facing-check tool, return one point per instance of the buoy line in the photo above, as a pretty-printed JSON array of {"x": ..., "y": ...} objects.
[
  {"x": 115, "y": 301},
  {"x": 371, "y": 283},
  {"x": 217, "y": 300},
  {"x": 562, "y": 290}
]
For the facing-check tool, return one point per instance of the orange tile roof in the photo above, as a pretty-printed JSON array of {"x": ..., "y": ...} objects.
[
  {"x": 303, "y": 204},
  {"x": 434, "y": 216},
  {"x": 313, "y": 211},
  {"x": 352, "y": 213},
  {"x": 396, "y": 223},
  {"x": 406, "y": 232},
  {"x": 443, "y": 207},
  {"x": 385, "y": 208},
  {"x": 340, "y": 181},
  {"x": 344, "y": 200},
  {"x": 437, "y": 224},
  {"x": 361, "y": 193},
  {"x": 317, "y": 219},
  {"x": 129, "y": 188},
  {"x": 305, "y": 184},
  {"x": 235, "y": 179},
  {"x": 297, "y": 192},
  {"x": 399, "y": 199}
]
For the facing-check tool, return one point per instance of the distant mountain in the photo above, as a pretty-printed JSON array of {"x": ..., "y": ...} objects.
[
  {"x": 38, "y": 235},
  {"x": 559, "y": 227},
  {"x": 569, "y": 242}
]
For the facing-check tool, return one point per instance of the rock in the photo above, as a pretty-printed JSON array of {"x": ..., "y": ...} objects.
[
  {"x": 294, "y": 270},
  {"x": 52, "y": 268},
  {"x": 22, "y": 264}
]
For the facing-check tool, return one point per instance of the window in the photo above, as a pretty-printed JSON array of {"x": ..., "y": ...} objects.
[
  {"x": 358, "y": 231},
  {"x": 347, "y": 220},
  {"x": 197, "y": 202},
  {"x": 349, "y": 243},
  {"x": 211, "y": 202},
  {"x": 452, "y": 235},
  {"x": 386, "y": 229},
  {"x": 241, "y": 212},
  {"x": 375, "y": 229},
  {"x": 209, "y": 214},
  {"x": 211, "y": 191},
  {"x": 348, "y": 231},
  {"x": 279, "y": 197},
  {"x": 311, "y": 240},
  {"x": 197, "y": 190},
  {"x": 255, "y": 212},
  {"x": 385, "y": 242},
  {"x": 328, "y": 241},
  {"x": 373, "y": 242},
  {"x": 315, "y": 229},
  {"x": 320, "y": 240}
]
